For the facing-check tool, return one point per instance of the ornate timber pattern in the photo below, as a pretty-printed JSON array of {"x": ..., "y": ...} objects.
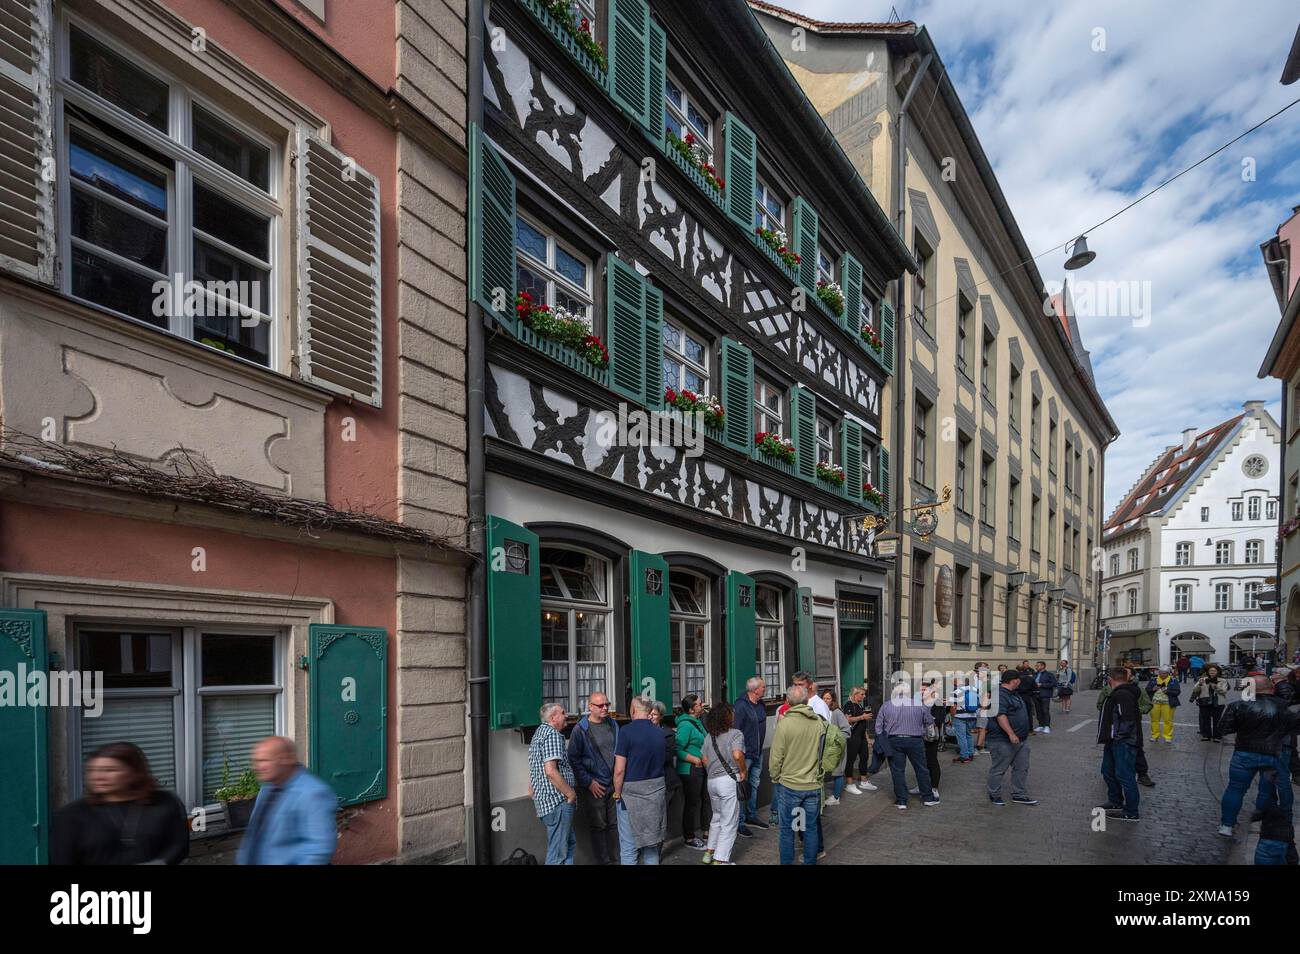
[{"x": 537, "y": 418}]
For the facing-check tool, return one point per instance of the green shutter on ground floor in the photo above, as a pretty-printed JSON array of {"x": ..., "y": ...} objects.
[
  {"x": 348, "y": 710},
  {"x": 804, "y": 628},
  {"x": 803, "y": 431},
  {"x": 24, "y": 743},
  {"x": 514, "y": 598},
  {"x": 491, "y": 230},
  {"x": 742, "y": 638},
  {"x": 737, "y": 394},
  {"x": 652, "y": 668}
]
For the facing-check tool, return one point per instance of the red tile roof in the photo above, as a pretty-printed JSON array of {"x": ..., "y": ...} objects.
[{"x": 898, "y": 26}]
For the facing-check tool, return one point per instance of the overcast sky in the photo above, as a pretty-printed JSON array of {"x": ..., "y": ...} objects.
[{"x": 1076, "y": 134}]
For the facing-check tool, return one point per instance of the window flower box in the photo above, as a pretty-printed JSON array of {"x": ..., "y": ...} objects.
[
  {"x": 565, "y": 337},
  {"x": 774, "y": 448},
  {"x": 688, "y": 402},
  {"x": 832, "y": 296},
  {"x": 572, "y": 33},
  {"x": 830, "y": 473},
  {"x": 690, "y": 155},
  {"x": 873, "y": 498},
  {"x": 872, "y": 340},
  {"x": 777, "y": 241}
]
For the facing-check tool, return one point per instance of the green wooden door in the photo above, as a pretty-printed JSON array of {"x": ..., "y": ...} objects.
[
  {"x": 348, "y": 710},
  {"x": 24, "y": 742},
  {"x": 853, "y": 670}
]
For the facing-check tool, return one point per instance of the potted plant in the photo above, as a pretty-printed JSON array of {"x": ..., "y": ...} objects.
[
  {"x": 776, "y": 240},
  {"x": 691, "y": 150},
  {"x": 832, "y": 295},
  {"x": 774, "y": 445},
  {"x": 872, "y": 496},
  {"x": 831, "y": 473},
  {"x": 579, "y": 28},
  {"x": 562, "y": 326},
  {"x": 688, "y": 402},
  {"x": 237, "y": 796},
  {"x": 871, "y": 339}
]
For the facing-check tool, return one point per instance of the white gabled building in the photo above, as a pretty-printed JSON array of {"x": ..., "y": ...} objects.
[{"x": 1188, "y": 548}]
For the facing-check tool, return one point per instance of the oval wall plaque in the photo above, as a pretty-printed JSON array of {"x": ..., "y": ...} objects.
[{"x": 943, "y": 596}]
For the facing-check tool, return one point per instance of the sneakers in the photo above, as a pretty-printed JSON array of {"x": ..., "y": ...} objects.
[
  {"x": 1046, "y": 730},
  {"x": 931, "y": 801},
  {"x": 707, "y": 859},
  {"x": 744, "y": 832},
  {"x": 997, "y": 800},
  {"x": 832, "y": 800},
  {"x": 868, "y": 787},
  {"x": 716, "y": 862},
  {"x": 1110, "y": 807},
  {"x": 757, "y": 823},
  {"x": 698, "y": 844},
  {"x": 1024, "y": 800},
  {"x": 984, "y": 751},
  {"x": 1146, "y": 780},
  {"x": 821, "y": 853},
  {"x": 914, "y": 791},
  {"x": 1038, "y": 730},
  {"x": 1225, "y": 831},
  {"x": 852, "y": 789},
  {"x": 1121, "y": 815},
  {"x": 901, "y": 806}
]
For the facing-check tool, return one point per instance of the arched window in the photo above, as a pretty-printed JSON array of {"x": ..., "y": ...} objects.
[
  {"x": 1223, "y": 596},
  {"x": 688, "y": 598},
  {"x": 576, "y": 626},
  {"x": 1183, "y": 554},
  {"x": 1182, "y": 598},
  {"x": 770, "y": 627}
]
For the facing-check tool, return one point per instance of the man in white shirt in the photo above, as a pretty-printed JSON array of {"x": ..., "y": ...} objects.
[{"x": 815, "y": 701}]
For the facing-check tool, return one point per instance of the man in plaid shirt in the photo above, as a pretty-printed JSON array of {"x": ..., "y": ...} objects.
[{"x": 550, "y": 783}]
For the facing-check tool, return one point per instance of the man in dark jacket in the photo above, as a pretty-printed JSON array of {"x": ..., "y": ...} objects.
[
  {"x": 1144, "y": 706},
  {"x": 591, "y": 754},
  {"x": 1118, "y": 728},
  {"x": 1263, "y": 726},
  {"x": 750, "y": 717},
  {"x": 1044, "y": 687},
  {"x": 1028, "y": 692}
]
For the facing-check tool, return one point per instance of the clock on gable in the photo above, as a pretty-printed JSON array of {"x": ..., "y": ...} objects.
[{"x": 1256, "y": 465}]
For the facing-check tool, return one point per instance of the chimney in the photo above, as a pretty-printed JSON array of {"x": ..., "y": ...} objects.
[
  {"x": 1252, "y": 406},
  {"x": 1189, "y": 438}
]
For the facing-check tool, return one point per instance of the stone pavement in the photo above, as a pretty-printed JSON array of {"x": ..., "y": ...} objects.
[{"x": 1180, "y": 816}]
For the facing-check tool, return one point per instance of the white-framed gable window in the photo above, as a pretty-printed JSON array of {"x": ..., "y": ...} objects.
[
  {"x": 552, "y": 271},
  {"x": 170, "y": 212},
  {"x": 1253, "y": 508},
  {"x": 1205, "y": 515}
]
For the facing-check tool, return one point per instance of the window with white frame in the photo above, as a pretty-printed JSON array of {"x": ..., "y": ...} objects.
[
  {"x": 686, "y": 359},
  {"x": 769, "y": 615},
  {"x": 1236, "y": 510},
  {"x": 1182, "y": 598},
  {"x": 167, "y": 201},
  {"x": 1183, "y": 554},
  {"x": 1222, "y": 596},
  {"x": 1251, "y": 596},
  {"x": 575, "y": 626},
  {"x": 1114, "y": 564},
  {"x": 769, "y": 405},
  {"x": 769, "y": 210},
  {"x": 825, "y": 265},
  {"x": 194, "y": 699},
  {"x": 1270, "y": 510},
  {"x": 685, "y": 115},
  {"x": 1205, "y": 515},
  {"x": 688, "y": 598},
  {"x": 866, "y": 308},
  {"x": 1114, "y": 604},
  {"x": 825, "y": 440},
  {"x": 1132, "y": 601},
  {"x": 1223, "y": 552},
  {"x": 1253, "y": 508},
  {"x": 1254, "y": 551},
  {"x": 1132, "y": 559},
  {"x": 553, "y": 272}
]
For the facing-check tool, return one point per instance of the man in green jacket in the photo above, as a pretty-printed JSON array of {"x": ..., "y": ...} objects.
[
  {"x": 1144, "y": 706},
  {"x": 804, "y": 748}
]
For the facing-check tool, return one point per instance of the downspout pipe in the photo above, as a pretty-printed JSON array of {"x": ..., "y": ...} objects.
[
  {"x": 901, "y": 325},
  {"x": 480, "y": 848},
  {"x": 1279, "y": 635}
]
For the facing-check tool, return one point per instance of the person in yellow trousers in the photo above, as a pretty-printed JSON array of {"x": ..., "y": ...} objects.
[{"x": 1164, "y": 690}]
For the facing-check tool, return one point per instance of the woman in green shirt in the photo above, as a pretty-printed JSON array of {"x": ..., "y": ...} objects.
[{"x": 696, "y": 811}]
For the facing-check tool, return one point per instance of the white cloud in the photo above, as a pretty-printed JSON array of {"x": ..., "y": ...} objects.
[{"x": 1075, "y": 135}]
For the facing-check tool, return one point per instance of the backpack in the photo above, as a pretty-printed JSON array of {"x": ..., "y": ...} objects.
[
  {"x": 520, "y": 857},
  {"x": 967, "y": 704}
]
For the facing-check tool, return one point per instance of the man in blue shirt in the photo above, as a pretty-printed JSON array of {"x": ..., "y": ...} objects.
[
  {"x": 640, "y": 795},
  {"x": 751, "y": 722},
  {"x": 293, "y": 819},
  {"x": 1007, "y": 743}
]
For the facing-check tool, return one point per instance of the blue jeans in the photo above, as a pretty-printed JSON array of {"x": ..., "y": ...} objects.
[
  {"x": 1271, "y": 792},
  {"x": 962, "y": 728},
  {"x": 1270, "y": 852},
  {"x": 803, "y": 807},
  {"x": 1241, "y": 772},
  {"x": 909, "y": 749},
  {"x": 837, "y": 786},
  {"x": 628, "y": 853},
  {"x": 1119, "y": 769},
  {"x": 560, "y": 837},
  {"x": 754, "y": 773}
]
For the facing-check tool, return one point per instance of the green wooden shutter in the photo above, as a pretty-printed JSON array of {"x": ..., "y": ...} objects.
[
  {"x": 737, "y": 394},
  {"x": 514, "y": 595},
  {"x": 805, "y": 242},
  {"x": 742, "y": 637},
  {"x": 629, "y": 59},
  {"x": 851, "y": 457},
  {"x": 652, "y": 667},
  {"x": 803, "y": 431},
  {"x": 24, "y": 744},
  {"x": 882, "y": 474},
  {"x": 804, "y": 619},
  {"x": 654, "y": 348},
  {"x": 658, "y": 79},
  {"x": 625, "y": 301},
  {"x": 851, "y": 283},
  {"x": 740, "y": 171},
  {"x": 348, "y": 710},
  {"x": 491, "y": 229},
  {"x": 887, "y": 335}
]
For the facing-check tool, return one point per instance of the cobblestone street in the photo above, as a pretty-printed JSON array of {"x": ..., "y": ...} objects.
[{"x": 1178, "y": 826}]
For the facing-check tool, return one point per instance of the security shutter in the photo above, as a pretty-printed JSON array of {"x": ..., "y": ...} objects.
[
  {"x": 27, "y": 241},
  {"x": 851, "y": 280},
  {"x": 339, "y": 322},
  {"x": 626, "y": 327},
  {"x": 629, "y": 59},
  {"x": 514, "y": 596},
  {"x": 803, "y": 431},
  {"x": 740, "y": 171},
  {"x": 652, "y": 668},
  {"x": 737, "y": 393},
  {"x": 348, "y": 710},
  {"x": 24, "y": 745},
  {"x": 491, "y": 230},
  {"x": 887, "y": 335},
  {"x": 654, "y": 348},
  {"x": 742, "y": 638},
  {"x": 805, "y": 242},
  {"x": 851, "y": 455},
  {"x": 804, "y": 619}
]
